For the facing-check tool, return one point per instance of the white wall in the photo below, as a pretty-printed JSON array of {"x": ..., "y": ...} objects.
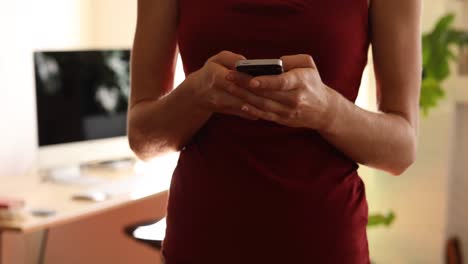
[
  {"x": 113, "y": 23},
  {"x": 27, "y": 25},
  {"x": 458, "y": 196}
]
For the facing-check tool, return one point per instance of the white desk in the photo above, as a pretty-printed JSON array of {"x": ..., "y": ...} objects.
[{"x": 52, "y": 196}]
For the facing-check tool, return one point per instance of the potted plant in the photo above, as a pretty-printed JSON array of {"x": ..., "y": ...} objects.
[{"x": 437, "y": 54}]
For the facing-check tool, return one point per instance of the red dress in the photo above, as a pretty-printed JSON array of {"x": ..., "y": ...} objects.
[{"x": 255, "y": 191}]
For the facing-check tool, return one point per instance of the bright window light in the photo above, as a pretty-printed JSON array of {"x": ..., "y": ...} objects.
[
  {"x": 179, "y": 73},
  {"x": 158, "y": 174},
  {"x": 363, "y": 99},
  {"x": 154, "y": 232}
]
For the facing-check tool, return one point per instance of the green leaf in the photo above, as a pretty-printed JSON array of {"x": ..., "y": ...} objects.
[
  {"x": 436, "y": 48},
  {"x": 380, "y": 219},
  {"x": 431, "y": 93},
  {"x": 437, "y": 53},
  {"x": 426, "y": 50},
  {"x": 443, "y": 25}
]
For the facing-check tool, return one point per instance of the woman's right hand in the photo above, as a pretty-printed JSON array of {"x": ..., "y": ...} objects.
[{"x": 211, "y": 86}]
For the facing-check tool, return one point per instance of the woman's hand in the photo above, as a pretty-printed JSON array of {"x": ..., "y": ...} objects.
[
  {"x": 296, "y": 98},
  {"x": 211, "y": 86}
]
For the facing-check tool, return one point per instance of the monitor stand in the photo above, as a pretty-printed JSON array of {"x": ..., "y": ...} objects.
[
  {"x": 89, "y": 173},
  {"x": 111, "y": 164}
]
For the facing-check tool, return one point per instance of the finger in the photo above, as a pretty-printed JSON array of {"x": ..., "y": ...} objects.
[
  {"x": 261, "y": 103},
  {"x": 283, "y": 97},
  {"x": 242, "y": 114},
  {"x": 227, "y": 59},
  {"x": 239, "y": 78},
  {"x": 282, "y": 82},
  {"x": 286, "y": 98},
  {"x": 298, "y": 61},
  {"x": 233, "y": 106},
  {"x": 262, "y": 114},
  {"x": 218, "y": 75}
]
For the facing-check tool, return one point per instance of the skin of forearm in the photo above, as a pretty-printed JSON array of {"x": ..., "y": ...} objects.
[
  {"x": 383, "y": 141},
  {"x": 167, "y": 124}
]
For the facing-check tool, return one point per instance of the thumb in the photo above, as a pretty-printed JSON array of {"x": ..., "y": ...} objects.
[{"x": 227, "y": 59}]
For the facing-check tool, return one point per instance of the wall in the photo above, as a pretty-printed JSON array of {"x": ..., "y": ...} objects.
[
  {"x": 113, "y": 23},
  {"x": 458, "y": 215}
]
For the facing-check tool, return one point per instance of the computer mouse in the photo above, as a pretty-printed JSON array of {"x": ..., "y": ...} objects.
[{"x": 94, "y": 196}]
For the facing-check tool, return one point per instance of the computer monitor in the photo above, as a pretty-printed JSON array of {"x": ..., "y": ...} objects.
[{"x": 82, "y": 97}]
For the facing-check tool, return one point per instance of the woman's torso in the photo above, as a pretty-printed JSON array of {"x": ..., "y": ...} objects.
[{"x": 254, "y": 191}]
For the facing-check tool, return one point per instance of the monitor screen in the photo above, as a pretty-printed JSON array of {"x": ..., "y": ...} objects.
[{"x": 81, "y": 95}]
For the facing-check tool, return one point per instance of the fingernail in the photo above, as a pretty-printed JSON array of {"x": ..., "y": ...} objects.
[
  {"x": 230, "y": 76},
  {"x": 245, "y": 108},
  {"x": 254, "y": 83}
]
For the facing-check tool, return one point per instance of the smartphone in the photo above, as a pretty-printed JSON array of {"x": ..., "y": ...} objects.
[{"x": 260, "y": 67}]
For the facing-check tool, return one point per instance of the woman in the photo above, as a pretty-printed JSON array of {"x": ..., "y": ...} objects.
[{"x": 267, "y": 170}]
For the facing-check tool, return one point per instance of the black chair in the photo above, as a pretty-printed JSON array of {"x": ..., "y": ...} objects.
[{"x": 150, "y": 233}]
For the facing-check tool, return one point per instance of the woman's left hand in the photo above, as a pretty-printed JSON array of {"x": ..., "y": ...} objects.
[{"x": 295, "y": 98}]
